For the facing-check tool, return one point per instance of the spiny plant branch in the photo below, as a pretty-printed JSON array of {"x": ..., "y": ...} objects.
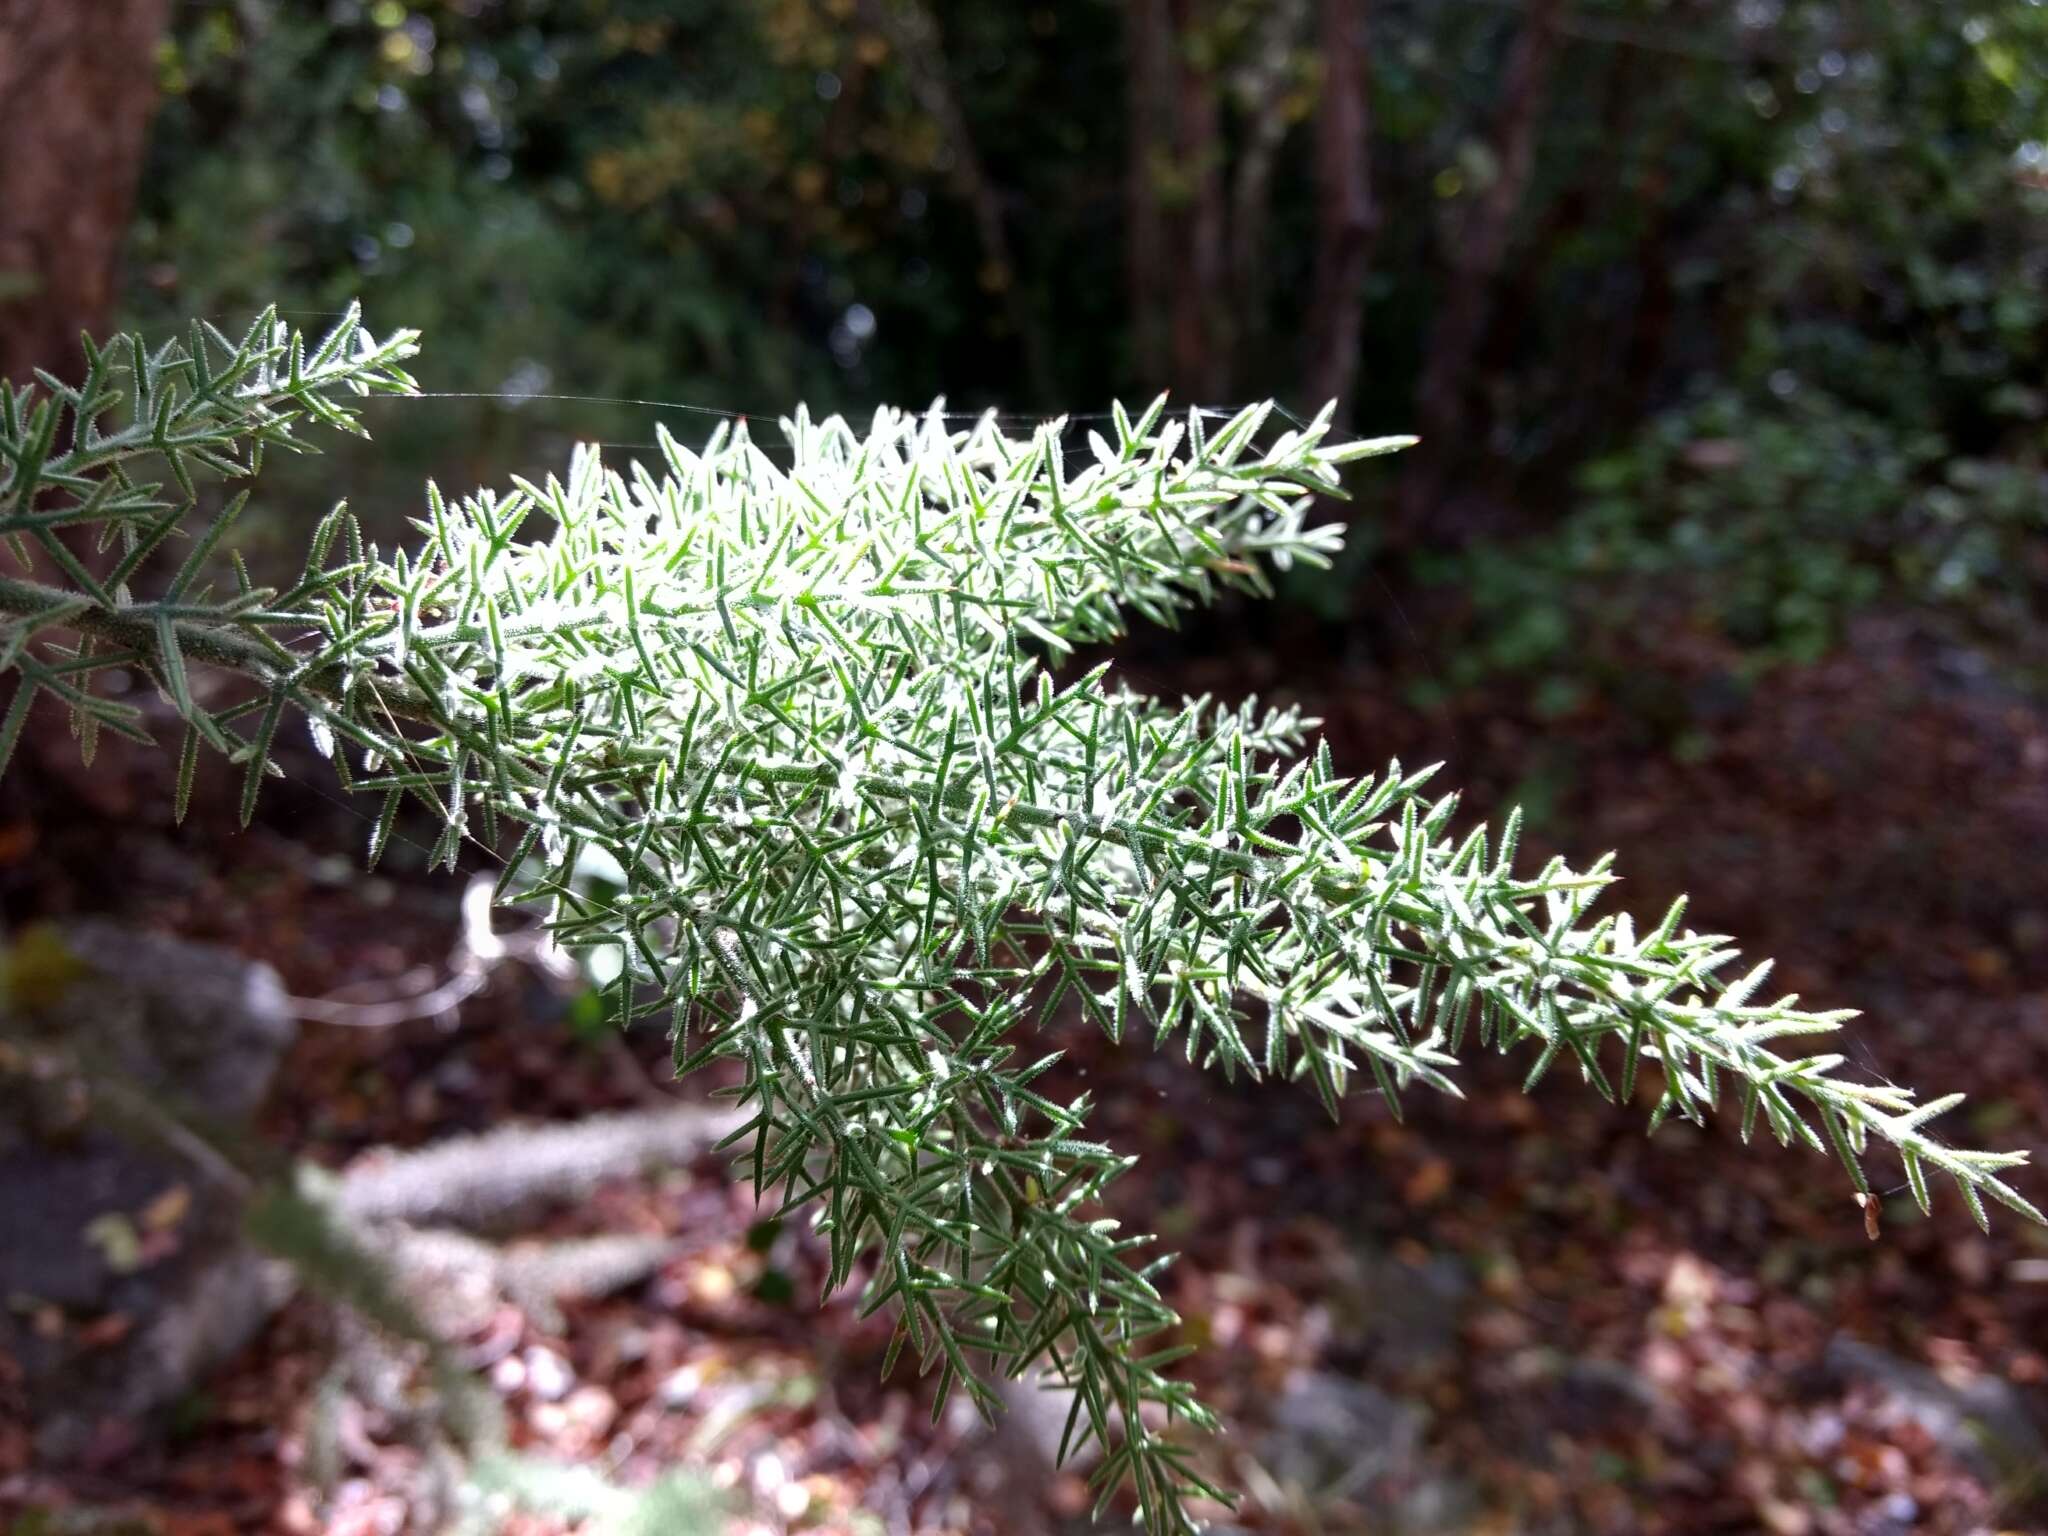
[
  {"x": 789, "y": 752},
  {"x": 131, "y": 628}
]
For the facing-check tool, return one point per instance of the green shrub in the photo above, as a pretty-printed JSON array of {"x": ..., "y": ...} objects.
[
  {"x": 1771, "y": 526},
  {"x": 868, "y": 838}
]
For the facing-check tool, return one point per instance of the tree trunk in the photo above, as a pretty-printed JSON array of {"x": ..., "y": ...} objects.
[
  {"x": 1478, "y": 249},
  {"x": 1201, "y": 319},
  {"x": 1261, "y": 87},
  {"x": 913, "y": 31},
  {"x": 1346, "y": 217},
  {"x": 77, "y": 88},
  {"x": 1177, "y": 210},
  {"x": 1149, "y": 42}
]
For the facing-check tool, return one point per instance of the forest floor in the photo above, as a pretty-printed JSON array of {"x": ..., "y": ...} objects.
[{"x": 1507, "y": 1314}]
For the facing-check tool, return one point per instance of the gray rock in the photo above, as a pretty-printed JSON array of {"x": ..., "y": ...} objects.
[
  {"x": 1592, "y": 1396},
  {"x": 197, "y": 1023},
  {"x": 123, "y": 1267},
  {"x": 1408, "y": 1316},
  {"x": 1335, "y": 1439},
  {"x": 1035, "y": 1412},
  {"x": 1984, "y": 1422}
]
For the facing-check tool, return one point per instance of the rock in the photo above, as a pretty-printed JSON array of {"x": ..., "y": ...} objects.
[
  {"x": 1983, "y": 1422},
  {"x": 122, "y": 1260},
  {"x": 1335, "y": 1439},
  {"x": 1035, "y": 1412},
  {"x": 1591, "y": 1396},
  {"x": 197, "y": 1024},
  {"x": 1438, "y": 1505},
  {"x": 1011, "y": 1462},
  {"x": 548, "y": 1376},
  {"x": 1407, "y": 1316}
]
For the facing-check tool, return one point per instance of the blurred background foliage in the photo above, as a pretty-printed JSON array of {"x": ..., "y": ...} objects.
[
  {"x": 1723, "y": 324},
  {"x": 1722, "y": 317}
]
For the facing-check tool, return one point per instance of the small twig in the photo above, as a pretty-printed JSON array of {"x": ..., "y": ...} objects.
[
  {"x": 478, "y": 952},
  {"x": 437, "y": 1002}
]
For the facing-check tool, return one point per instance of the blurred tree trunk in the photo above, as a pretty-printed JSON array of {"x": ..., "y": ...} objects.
[
  {"x": 1626, "y": 179},
  {"x": 1176, "y": 203},
  {"x": 1346, "y": 217},
  {"x": 913, "y": 31},
  {"x": 1476, "y": 253},
  {"x": 1261, "y": 86},
  {"x": 1215, "y": 90},
  {"x": 1199, "y": 282},
  {"x": 1149, "y": 154},
  {"x": 77, "y": 88}
]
